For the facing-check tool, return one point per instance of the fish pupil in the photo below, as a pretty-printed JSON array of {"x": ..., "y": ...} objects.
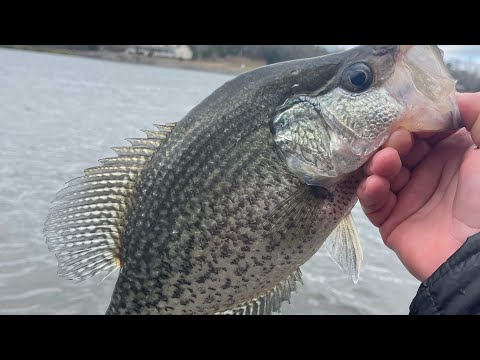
[{"x": 358, "y": 78}]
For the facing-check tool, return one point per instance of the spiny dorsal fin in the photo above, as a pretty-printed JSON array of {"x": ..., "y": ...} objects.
[
  {"x": 271, "y": 301},
  {"x": 86, "y": 227},
  {"x": 344, "y": 247}
]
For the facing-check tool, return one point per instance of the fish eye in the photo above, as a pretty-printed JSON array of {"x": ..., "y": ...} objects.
[{"x": 357, "y": 77}]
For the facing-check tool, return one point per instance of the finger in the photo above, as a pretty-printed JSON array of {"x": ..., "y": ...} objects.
[
  {"x": 424, "y": 182},
  {"x": 385, "y": 163},
  {"x": 373, "y": 193},
  {"x": 378, "y": 217},
  {"x": 437, "y": 137},
  {"x": 399, "y": 181},
  {"x": 418, "y": 152},
  {"x": 469, "y": 105},
  {"x": 401, "y": 140}
]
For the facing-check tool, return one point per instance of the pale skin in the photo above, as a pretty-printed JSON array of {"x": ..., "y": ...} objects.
[{"x": 423, "y": 191}]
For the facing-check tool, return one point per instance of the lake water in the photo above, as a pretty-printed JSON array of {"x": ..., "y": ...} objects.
[{"x": 58, "y": 115}]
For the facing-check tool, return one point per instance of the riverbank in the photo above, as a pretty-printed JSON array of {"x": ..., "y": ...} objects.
[
  {"x": 233, "y": 65},
  {"x": 229, "y": 65}
]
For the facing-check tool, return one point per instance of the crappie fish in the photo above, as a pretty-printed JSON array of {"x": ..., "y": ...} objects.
[{"x": 216, "y": 213}]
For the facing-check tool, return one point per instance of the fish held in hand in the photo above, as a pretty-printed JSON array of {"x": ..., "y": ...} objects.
[{"x": 216, "y": 213}]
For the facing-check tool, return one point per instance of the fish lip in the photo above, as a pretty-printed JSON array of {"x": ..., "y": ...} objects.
[
  {"x": 424, "y": 66},
  {"x": 430, "y": 86}
]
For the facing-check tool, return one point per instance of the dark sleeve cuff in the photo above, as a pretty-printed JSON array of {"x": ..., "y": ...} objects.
[{"x": 454, "y": 288}]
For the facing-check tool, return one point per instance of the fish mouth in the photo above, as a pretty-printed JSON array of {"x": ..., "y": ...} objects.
[{"x": 423, "y": 85}]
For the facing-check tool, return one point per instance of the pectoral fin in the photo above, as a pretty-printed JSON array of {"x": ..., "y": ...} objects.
[
  {"x": 344, "y": 247},
  {"x": 292, "y": 219}
]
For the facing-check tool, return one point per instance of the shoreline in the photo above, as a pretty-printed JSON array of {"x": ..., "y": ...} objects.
[{"x": 228, "y": 66}]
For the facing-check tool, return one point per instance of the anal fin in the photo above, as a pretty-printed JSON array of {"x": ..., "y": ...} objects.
[{"x": 271, "y": 301}]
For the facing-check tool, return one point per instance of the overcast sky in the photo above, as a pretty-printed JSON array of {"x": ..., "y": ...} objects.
[{"x": 461, "y": 52}]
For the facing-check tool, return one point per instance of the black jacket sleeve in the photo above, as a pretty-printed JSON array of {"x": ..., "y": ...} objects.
[{"x": 454, "y": 288}]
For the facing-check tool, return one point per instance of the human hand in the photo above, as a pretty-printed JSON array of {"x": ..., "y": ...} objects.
[{"x": 423, "y": 192}]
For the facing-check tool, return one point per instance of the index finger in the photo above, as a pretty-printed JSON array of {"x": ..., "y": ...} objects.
[
  {"x": 386, "y": 162},
  {"x": 401, "y": 140}
]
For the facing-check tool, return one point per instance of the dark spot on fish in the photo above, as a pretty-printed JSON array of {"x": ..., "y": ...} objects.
[
  {"x": 239, "y": 271},
  {"x": 209, "y": 299},
  {"x": 203, "y": 278},
  {"x": 227, "y": 284},
  {"x": 177, "y": 293},
  {"x": 321, "y": 193}
]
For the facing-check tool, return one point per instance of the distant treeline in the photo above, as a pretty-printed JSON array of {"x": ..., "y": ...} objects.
[
  {"x": 468, "y": 79},
  {"x": 270, "y": 53}
]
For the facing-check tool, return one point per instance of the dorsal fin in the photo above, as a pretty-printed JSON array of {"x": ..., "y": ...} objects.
[
  {"x": 86, "y": 227},
  {"x": 271, "y": 301}
]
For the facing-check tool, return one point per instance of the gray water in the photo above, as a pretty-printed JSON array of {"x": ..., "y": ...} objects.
[{"x": 58, "y": 115}]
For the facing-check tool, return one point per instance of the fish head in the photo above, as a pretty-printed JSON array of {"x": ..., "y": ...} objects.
[{"x": 329, "y": 133}]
